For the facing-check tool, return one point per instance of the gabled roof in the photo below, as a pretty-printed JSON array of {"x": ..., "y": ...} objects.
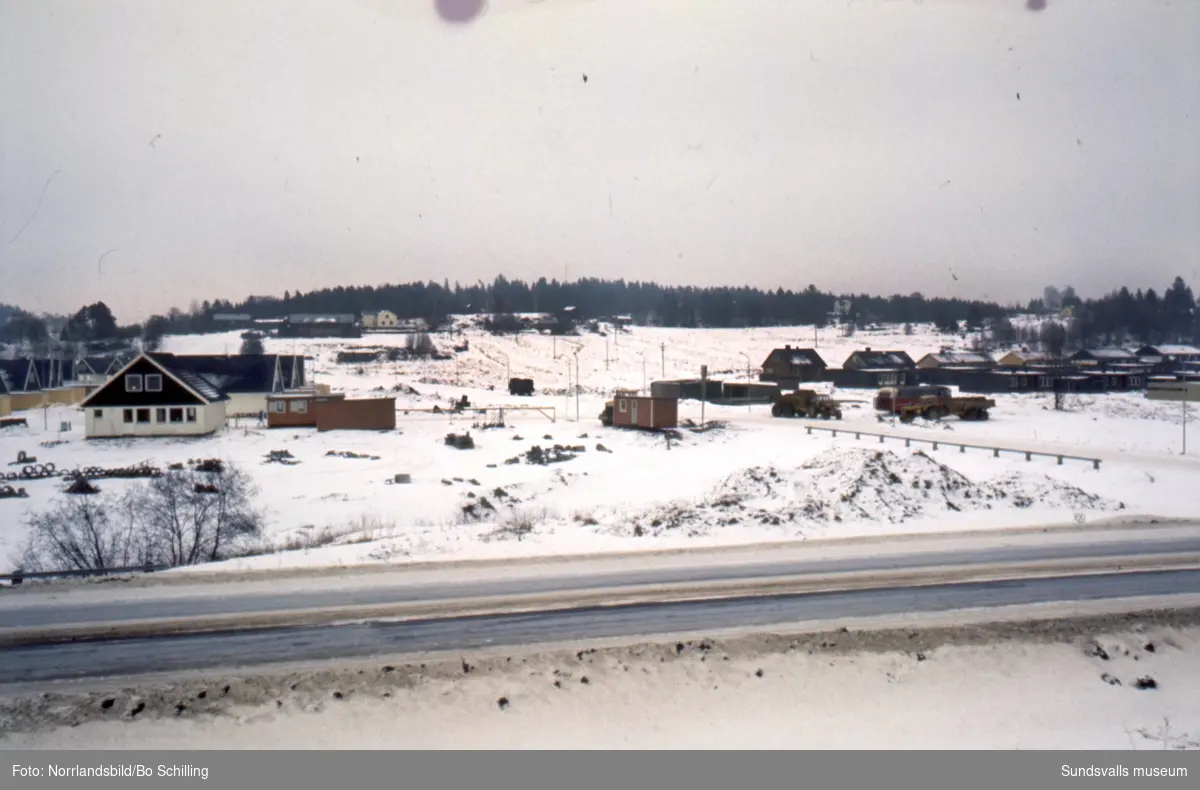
[
  {"x": 1105, "y": 353},
  {"x": 802, "y": 357},
  {"x": 1169, "y": 350},
  {"x": 197, "y": 385},
  {"x": 1028, "y": 356},
  {"x": 232, "y": 375},
  {"x": 887, "y": 360},
  {"x": 959, "y": 358}
]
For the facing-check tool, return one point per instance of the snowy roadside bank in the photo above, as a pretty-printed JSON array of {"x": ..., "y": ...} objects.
[{"x": 1111, "y": 682}]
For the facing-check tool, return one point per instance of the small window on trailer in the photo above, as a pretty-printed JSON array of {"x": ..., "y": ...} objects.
[
  {"x": 133, "y": 382},
  {"x": 623, "y": 405},
  {"x": 299, "y": 406},
  {"x": 277, "y": 407}
]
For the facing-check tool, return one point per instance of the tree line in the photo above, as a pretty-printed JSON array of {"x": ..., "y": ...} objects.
[
  {"x": 646, "y": 303},
  {"x": 1121, "y": 316}
]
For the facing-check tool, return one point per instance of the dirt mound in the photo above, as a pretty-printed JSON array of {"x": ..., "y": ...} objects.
[{"x": 857, "y": 484}]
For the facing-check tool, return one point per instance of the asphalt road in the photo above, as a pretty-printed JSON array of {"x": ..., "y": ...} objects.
[
  {"x": 236, "y": 649},
  {"x": 42, "y": 609}
]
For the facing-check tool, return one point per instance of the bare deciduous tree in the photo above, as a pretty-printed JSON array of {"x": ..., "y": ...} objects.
[
  {"x": 85, "y": 533},
  {"x": 192, "y": 517},
  {"x": 185, "y": 517}
]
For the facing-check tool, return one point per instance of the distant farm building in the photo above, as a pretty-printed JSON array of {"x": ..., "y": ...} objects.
[{"x": 789, "y": 366}]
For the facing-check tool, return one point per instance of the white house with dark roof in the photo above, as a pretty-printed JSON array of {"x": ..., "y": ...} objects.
[{"x": 149, "y": 397}]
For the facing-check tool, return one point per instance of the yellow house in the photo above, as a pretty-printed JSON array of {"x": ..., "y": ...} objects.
[{"x": 381, "y": 319}]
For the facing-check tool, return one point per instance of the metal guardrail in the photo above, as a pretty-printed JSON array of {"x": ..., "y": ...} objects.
[
  {"x": 16, "y": 577},
  {"x": 962, "y": 447}
]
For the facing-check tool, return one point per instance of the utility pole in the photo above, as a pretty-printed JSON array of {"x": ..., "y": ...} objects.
[
  {"x": 567, "y": 411},
  {"x": 576, "y": 385},
  {"x": 606, "y": 353},
  {"x": 663, "y": 348},
  {"x": 703, "y": 392}
]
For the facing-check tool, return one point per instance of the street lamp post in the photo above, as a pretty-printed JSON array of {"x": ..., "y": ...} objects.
[{"x": 567, "y": 407}]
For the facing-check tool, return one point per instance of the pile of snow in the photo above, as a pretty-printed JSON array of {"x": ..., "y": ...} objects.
[
  {"x": 856, "y": 485},
  {"x": 1131, "y": 408}
]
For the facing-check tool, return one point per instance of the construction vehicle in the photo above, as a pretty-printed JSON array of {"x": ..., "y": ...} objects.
[
  {"x": 932, "y": 403},
  {"x": 805, "y": 403},
  {"x": 606, "y": 416}
]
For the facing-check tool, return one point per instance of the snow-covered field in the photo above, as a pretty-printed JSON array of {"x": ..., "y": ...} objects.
[
  {"x": 752, "y": 478},
  {"x": 1131, "y": 689}
]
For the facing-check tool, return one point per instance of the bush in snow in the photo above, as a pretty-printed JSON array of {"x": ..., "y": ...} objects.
[
  {"x": 185, "y": 517},
  {"x": 85, "y": 533}
]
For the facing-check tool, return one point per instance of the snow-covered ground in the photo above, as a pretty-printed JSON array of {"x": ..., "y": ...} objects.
[
  {"x": 753, "y": 478},
  {"x": 1134, "y": 689}
]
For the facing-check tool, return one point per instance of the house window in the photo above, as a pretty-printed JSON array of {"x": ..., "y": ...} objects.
[
  {"x": 153, "y": 382},
  {"x": 133, "y": 382},
  {"x": 98, "y": 414},
  {"x": 191, "y": 414},
  {"x": 277, "y": 407},
  {"x": 300, "y": 406},
  {"x": 176, "y": 415},
  {"x": 623, "y": 405},
  {"x": 160, "y": 415},
  {"x": 143, "y": 415},
  {"x": 128, "y": 415}
]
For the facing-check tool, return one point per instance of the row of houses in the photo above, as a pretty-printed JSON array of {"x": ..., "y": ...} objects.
[{"x": 1018, "y": 370}]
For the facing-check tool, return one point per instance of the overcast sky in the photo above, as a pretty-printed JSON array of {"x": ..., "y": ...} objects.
[{"x": 159, "y": 151}]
